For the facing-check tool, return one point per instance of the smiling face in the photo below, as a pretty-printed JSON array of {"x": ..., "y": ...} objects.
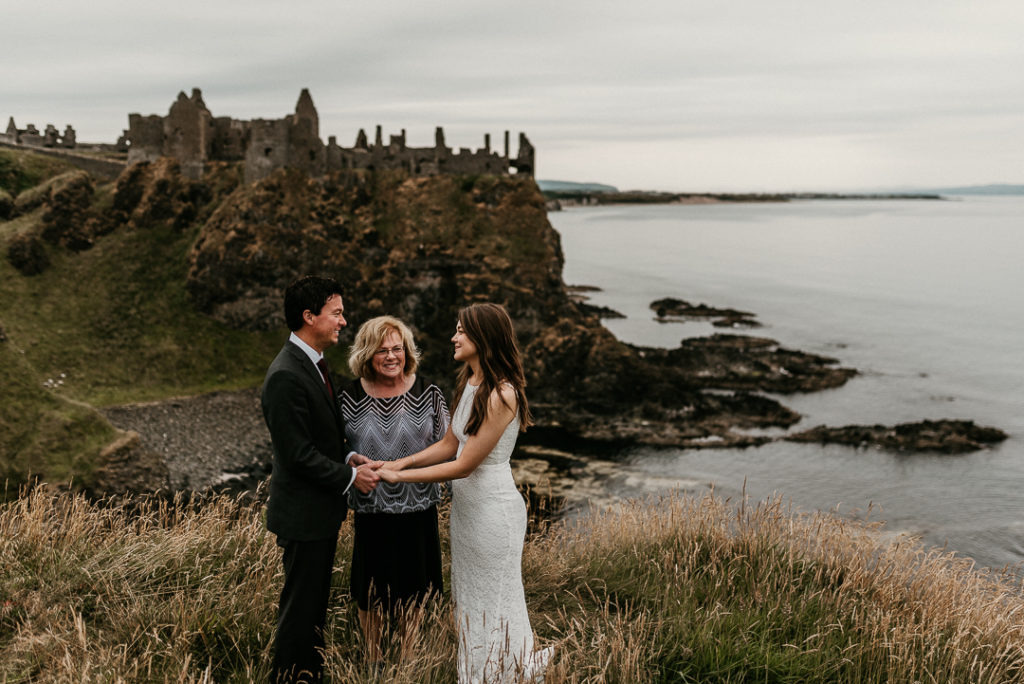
[
  {"x": 389, "y": 359},
  {"x": 324, "y": 327},
  {"x": 465, "y": 350}
]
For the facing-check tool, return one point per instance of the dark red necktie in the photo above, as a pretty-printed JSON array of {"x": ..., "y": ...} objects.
[{"x": 322, "y": 365}]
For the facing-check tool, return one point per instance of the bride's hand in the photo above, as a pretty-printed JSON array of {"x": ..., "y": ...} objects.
[{"x": 388, "y": 474}]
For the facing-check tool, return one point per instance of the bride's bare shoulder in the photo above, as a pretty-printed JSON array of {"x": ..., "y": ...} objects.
[{"x": 504, "y": 397}]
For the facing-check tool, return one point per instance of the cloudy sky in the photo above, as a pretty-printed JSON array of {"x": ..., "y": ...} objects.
[{"x": 685, "y": 95}]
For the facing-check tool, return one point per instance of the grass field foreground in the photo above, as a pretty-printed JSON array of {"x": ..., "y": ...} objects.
[{"x": 675, "y": 589}]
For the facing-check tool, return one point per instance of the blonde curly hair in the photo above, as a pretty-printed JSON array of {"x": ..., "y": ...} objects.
[{"x": 370, "y": 336}]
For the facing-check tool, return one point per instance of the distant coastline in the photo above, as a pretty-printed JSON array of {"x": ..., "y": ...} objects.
[
  {"x": 562, "y": 199},
  {"x": 565, "y": 194}
]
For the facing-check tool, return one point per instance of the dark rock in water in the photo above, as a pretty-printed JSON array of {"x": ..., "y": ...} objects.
[
  {"x": 581, "y": 289},
  {"x": 27, "y": 253},
  {"x": 741, "y": 362},
  {"x": 731, "y": 321},
  {"x": 600, "y": 311},
  {"x": 945, "y": 436},
  {"x": 578, "y": 294},
  {"x": 672, "y": 310}
]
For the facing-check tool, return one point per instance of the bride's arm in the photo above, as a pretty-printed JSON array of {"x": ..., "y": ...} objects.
[
  {"x": 440, "y": 451},
  {"x": 499, "y": 414}
]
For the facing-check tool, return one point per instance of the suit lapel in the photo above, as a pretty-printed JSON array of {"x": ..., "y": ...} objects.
[{"x": 314, "y": 374}]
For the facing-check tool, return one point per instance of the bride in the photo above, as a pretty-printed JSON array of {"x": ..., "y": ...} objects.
[{"x": 488, "y": 516}]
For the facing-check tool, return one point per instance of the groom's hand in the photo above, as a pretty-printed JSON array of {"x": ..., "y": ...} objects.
[
  {"x": 357, "y": 460},
  {"x": 366, "y": 478}
]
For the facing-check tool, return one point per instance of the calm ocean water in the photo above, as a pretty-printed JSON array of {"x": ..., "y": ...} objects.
[{"x": 925, "y": 298}]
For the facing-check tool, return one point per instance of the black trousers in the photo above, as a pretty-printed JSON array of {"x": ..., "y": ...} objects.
[{"x": 299, "y": 640}]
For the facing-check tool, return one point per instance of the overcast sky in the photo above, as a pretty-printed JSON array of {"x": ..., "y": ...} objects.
[{"x": 685, "y": 95}]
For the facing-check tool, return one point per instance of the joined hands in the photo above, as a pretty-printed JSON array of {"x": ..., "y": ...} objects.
[
  {"x": 366, "y": 472},
  {"x": 368, "y": 477}
]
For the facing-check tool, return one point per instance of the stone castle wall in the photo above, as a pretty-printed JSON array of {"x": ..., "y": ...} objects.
[
  {"x": 31, "y": 137},
  {"x": 190, "y": 134}
]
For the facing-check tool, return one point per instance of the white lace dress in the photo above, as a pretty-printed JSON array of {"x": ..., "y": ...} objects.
[{"x": 488, "y": 525}]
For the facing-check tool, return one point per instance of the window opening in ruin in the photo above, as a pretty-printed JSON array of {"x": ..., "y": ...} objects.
[{"x": 267, "y": 151}]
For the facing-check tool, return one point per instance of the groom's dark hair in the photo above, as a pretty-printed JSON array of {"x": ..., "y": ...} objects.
[{"x": 309, "y": 292}]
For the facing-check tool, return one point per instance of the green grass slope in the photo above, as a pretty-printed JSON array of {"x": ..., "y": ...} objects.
[
  {"x": 112, "y": 324},
  {"x": 116, "y": 320},
  {"x": 41, "y": 432}
]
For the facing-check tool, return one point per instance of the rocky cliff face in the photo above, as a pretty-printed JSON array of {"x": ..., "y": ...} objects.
[{"x": 421, "y": 248}]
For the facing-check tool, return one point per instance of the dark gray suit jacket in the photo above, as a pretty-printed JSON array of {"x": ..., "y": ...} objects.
[{"x": 310, "y": 474}]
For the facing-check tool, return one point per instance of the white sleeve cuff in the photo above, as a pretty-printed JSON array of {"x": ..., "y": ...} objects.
[{"x": 345, "y": 491}]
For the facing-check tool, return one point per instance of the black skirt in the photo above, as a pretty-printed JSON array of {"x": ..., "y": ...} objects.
[{"x": 396, "y": 558}]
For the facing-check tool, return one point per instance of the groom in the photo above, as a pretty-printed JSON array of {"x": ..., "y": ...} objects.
[{"x": 313, "y": 470}]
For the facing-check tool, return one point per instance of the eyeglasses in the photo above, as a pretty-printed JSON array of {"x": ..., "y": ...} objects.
[{"x": 397, "y": 351}]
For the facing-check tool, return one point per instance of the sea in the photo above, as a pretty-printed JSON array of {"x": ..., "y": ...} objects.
[{"x": 924, "y": 297}]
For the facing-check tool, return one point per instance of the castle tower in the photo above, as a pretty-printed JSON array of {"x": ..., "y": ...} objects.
[
  {"x": 525, "y": 162},
  {"x": 197, "y": 99},
  {"x": 305, "y": 110},
  {"x": 185, "y": 135},
  {"x": 51, "y": 136}
]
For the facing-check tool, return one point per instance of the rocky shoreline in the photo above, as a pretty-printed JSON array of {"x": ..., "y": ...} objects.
[{"x": 219, "y": 442}]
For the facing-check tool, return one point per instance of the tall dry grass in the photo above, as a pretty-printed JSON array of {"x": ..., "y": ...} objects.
[{"x": 673, "y": 590}]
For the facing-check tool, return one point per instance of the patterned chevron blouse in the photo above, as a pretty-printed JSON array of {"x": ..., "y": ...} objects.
[{"x": 386, "y": 429}]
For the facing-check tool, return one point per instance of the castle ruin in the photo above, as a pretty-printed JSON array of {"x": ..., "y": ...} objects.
[
  {"x": 193, "y": 136},
  {"x": 31, "y": 137}
]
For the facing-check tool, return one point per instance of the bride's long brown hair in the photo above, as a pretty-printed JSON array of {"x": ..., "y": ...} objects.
[{"x": 489, "y": 328}]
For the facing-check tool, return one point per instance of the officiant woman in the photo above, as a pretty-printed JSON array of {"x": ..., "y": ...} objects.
[{"x": 391, "y": 411}]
